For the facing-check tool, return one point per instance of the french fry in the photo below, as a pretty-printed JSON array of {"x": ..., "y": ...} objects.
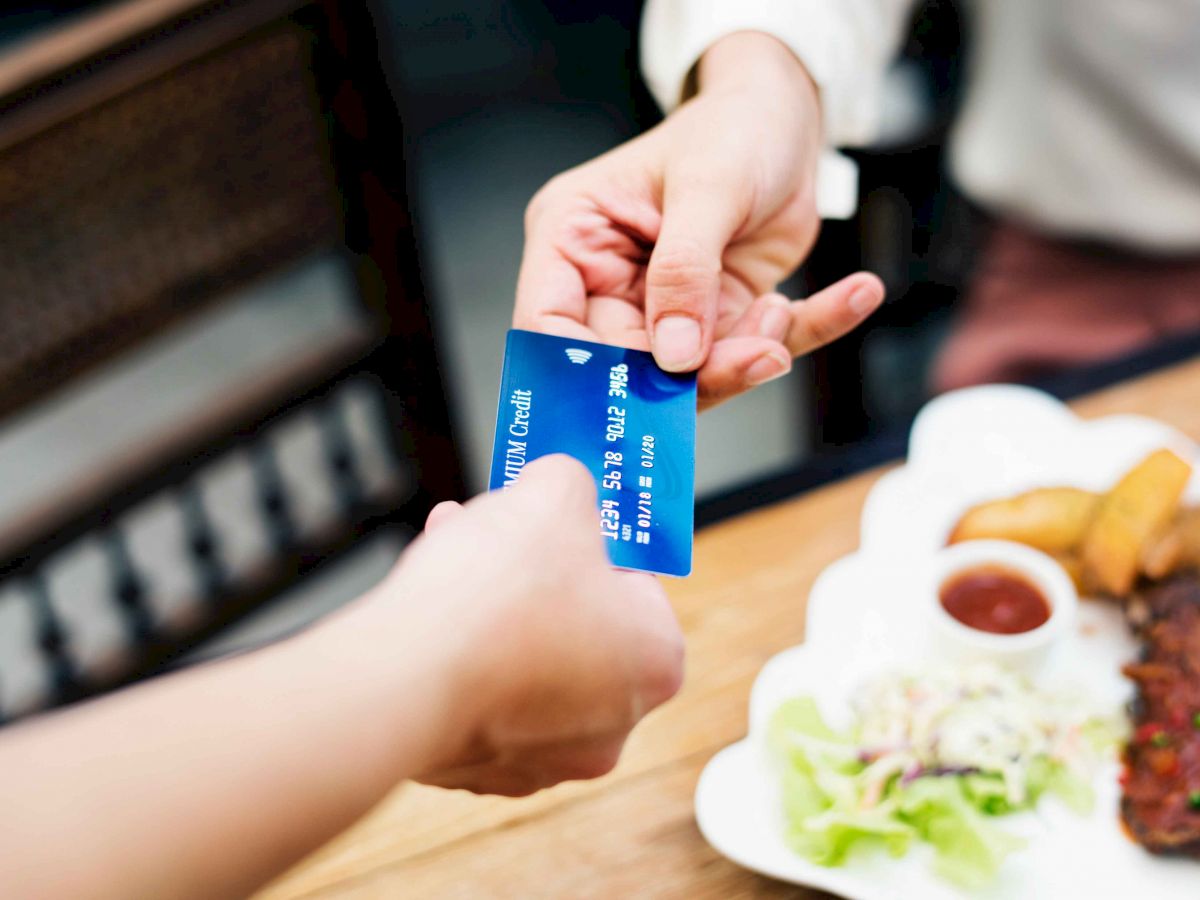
[
  {"x": 1051, "y": 519},
  {"x": 1162, "y": 553},
  {"x": 1173, "y": 548},
  {"x": 1139, "y": 506}
]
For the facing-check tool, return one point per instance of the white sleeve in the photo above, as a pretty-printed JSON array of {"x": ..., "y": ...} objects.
[{"x": 846, "y": 45}]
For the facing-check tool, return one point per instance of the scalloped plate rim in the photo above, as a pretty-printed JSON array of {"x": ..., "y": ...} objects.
[{"x": 847, "y": 880}]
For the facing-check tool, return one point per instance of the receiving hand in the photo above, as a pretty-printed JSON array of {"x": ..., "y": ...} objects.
[
  {"x": 553, "y": 655},
  {"x": 675, "y": 241}
]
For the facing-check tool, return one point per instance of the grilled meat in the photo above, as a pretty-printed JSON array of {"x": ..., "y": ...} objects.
[{"x": 1161, "y": 803}]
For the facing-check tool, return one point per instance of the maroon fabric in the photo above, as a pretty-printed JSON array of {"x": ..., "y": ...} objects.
[{"x": 1039, "y": 305}]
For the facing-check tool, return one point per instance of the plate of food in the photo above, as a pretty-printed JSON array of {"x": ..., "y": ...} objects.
[{"x": 999, "y": 693}]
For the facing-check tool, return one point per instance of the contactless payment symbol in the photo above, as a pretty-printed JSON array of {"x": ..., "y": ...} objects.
[{"x": 578, "y": 355}]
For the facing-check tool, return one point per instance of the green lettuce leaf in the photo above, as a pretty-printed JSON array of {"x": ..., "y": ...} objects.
[
  {"x": 987, "y": 792},
  {"x": 821, "y": 789},
  {"x": 969, "y": 847},
  {"x": 827, "y": 838},
  {"x": 800, "y": 716},
  {"x": 830, "y": 813},
  {"x": 1071, "y": 789}
]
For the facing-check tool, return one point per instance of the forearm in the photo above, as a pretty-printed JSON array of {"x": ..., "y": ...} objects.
[
  {"x": 208, "y": 782},
  {"x": 503, "y": 654}
]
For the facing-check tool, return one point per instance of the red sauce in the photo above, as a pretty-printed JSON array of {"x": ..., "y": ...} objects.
[{"x": 994, "y": 599}]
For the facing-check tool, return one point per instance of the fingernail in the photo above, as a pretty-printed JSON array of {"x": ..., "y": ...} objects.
[
  {"x": 677, "y": 343},
  {"x": 768, "y": 367},
  {"x": 864, "y": 300},
  {"x": 776, "y": 321}
]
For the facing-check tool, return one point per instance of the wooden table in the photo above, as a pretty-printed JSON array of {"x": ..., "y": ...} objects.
[{"x": 632, "y": 833}]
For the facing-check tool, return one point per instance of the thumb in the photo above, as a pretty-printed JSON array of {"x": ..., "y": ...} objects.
[
  {"x": 554, "y": 504},
  {"x": 560, "y": 487},
  {"x": 683, "y": 279}
]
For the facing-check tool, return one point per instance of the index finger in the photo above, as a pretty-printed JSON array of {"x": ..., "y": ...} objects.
[{"x": 551, "y": 296}]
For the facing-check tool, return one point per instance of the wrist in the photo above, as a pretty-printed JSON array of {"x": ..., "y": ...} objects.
[
  {"x": 397, "y": 668},
  {"x": 757, "y": 62}
]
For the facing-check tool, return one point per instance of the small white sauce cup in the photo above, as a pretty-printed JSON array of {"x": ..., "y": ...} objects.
[{"x": 1025, "y": 651}]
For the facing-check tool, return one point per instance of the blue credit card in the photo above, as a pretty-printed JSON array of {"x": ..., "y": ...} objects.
[{"x": 632, "y": 424}]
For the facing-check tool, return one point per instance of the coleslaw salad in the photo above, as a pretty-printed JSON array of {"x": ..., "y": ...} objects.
[{"x": 935, "y": 755}]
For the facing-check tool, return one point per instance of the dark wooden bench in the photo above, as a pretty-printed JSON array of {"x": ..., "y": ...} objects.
[{"x": 156, "y": 158}]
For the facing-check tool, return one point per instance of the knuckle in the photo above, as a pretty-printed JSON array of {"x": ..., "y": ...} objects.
[
  {"x": 668, "y": 674},
  {"x": 681, "y": 258},
  {"x": 593, "y": 764},
  {"x": 681, "y": 273},
  {"x": 542, "y": 201},
  {"x": 728, "y": 316},
  {"x": 534, "y": 211},
  {"x": 515, "y": 789},
  {"x": 530, "y": 320},
  {"x": 818, "y": 330},
  {"x": 717, "y": 386},
  {"x": 713, "y": 394},
  {"x": 524, "y": 319},
  {"x": 663, "y": 671},
  {"x": 663, "y": 678},
  {"x": 517, "y": 779}
]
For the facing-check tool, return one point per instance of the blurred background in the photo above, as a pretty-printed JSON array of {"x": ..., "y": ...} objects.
[{"x": 258, "y": 261}]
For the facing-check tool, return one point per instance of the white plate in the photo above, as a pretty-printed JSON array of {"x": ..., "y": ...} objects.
[{"x": 862, "y": 617}]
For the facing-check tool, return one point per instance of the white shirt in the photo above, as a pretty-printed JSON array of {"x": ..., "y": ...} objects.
[{"x": 1081, "y": 117}]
